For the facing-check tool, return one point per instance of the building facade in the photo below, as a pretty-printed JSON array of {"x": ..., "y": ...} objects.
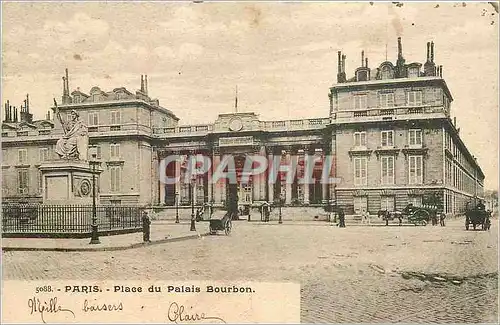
[{"x": 389, "y": 132}]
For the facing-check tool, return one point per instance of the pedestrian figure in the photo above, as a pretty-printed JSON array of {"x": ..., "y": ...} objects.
[
  {"x": 341, "y": 218},
  {"x": 368, "y": 217},
  {"x": 146, "y": 226},
  {"x": 442, "y": 217}
]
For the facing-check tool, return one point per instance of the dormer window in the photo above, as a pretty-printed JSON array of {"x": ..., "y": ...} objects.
[
  {"x": 386, "y": 72},
  {"x": 362, "y": 75},
  {"x": 95, "y": 97},
  {"x": 77, "y": 99},
  {"x": 413, "y": 72}
]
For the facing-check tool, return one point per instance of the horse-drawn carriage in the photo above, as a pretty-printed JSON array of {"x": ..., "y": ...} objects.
[
  {"x": 415, "y": 215},
  {"x": 223, "y": 224},
  {"x": 475, "y": 215}
]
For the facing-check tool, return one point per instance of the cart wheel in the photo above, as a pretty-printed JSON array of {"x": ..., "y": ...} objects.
[{"x": 228, "y": 227}]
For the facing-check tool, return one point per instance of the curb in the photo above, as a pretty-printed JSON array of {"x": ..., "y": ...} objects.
[{"x": 102, "y": 249}]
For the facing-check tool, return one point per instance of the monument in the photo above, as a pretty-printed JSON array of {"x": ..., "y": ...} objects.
[{"x": 68, "y": 180}]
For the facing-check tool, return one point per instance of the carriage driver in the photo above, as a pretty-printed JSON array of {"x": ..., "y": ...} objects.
[{"x": 480, "y": 205}]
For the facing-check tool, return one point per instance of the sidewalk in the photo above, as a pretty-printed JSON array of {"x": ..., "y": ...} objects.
[{"x": 161, "y": 232}]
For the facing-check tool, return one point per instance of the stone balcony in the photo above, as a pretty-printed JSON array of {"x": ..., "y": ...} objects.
[
  {"x": 390, "y": 113},
  {"x": 272, "y": 126}
]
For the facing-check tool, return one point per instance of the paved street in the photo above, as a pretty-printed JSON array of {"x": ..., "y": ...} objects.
[{"x": 356, "y": 274}]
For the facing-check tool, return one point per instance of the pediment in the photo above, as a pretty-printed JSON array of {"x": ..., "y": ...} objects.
[{"x": 234, "y": 122}]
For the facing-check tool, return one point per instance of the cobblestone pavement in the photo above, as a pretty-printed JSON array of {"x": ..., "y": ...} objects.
[{"x": 355, "y": 274}]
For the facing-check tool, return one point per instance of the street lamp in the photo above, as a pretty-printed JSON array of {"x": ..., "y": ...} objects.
[
  {"x": 176, "y": 207},
  {"x": 95, "y": 235},
  {"x": 191, "y": 187}
]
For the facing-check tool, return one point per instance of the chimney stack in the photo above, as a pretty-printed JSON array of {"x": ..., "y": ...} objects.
[
  {"x": 432, "y": 52},
  {"x": 343, "y": 63},
  {"x": 28, "y": 103},
  {"x": 366, "y": 62},
  {"x": 362, "y": 58},
  {"x": 146, "y": 84},
  {"x": 48, "y": 115},
  {"x": 142, "y": 83},
  {"x": 6, "y": 110},
  {"x": 339, "y": 62},
  {"x": 67, "y": 82},
  {"x": 400, "y": 49},
  {"x": 428, "y": 51},
  {"x": 15, "y": 114}
]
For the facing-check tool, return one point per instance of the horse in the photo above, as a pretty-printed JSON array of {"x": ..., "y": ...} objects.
[{"x": 390, "y": 215}]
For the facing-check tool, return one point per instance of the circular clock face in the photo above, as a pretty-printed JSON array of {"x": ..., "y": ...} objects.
[{"x": 235, "y": 125}]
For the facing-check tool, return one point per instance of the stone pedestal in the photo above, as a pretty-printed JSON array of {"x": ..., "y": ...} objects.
[{"x": 69, "y": 182}]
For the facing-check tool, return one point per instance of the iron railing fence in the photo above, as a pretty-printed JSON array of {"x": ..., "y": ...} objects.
[{"x": 40, "y": 218}]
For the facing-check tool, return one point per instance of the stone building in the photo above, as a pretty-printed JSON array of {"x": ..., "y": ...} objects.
[{"x": 388, "y": 129}]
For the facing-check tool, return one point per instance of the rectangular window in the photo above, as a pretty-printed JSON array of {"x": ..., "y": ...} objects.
[
  {"x": 360, "y": 102},
  {"x": 416, "y": 200},
  {"x": 438, "y": 96},
  {"x": 387, "y": 138},
  {"x": 93, "y": 119},
  {"x": 115, "y": 179},
  {"x": 44, "y": 154},
  {"x": 360, "y": 166},
  {"x": 360, "y": 139},
  {"x": 386, "y": 100},
  {"x": 115, "y": 150},
  {"x": 414, "y": 98},
  {"x": 416, "y": 167},
  {"x": 77, "y": 99},
  {"x": 23, "y": 181},
  {"x": 4, "y": 156},
  {"x": 40, "y": 182},
  {"x": 98, "y": 152},
  {"x": 95, "y": 97},
  {"x": 115, "y": 117},
  {"x": 360, "y": 204},
  {"x": 23, "y": 156},
  {"x": 415, "y": 137},
  {"x": 387, "y": 170},
  {"x": 387, "y": 203}
]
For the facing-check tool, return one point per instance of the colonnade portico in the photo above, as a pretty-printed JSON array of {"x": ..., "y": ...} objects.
[{"x": 258, "y": 188}]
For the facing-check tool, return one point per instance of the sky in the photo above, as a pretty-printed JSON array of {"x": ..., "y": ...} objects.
[{"x": 282, "y": 56}]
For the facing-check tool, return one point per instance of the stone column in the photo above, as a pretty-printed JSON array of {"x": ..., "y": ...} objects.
[
  {"x": 178, "y": 180},
  {"x": 288, "y": 185},
  {"x": 162, "y": 194},
  {"x": 217, "y": 187},
  {"x": 306, "y": 185},
  {"x": 270, "y": 182},
  {"x": 324, "y": 181},
  {"x": 256, "y": 179}
]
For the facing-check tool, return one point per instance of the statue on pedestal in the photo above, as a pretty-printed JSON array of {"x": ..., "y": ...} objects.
[{"x": 74, "y": 144}]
